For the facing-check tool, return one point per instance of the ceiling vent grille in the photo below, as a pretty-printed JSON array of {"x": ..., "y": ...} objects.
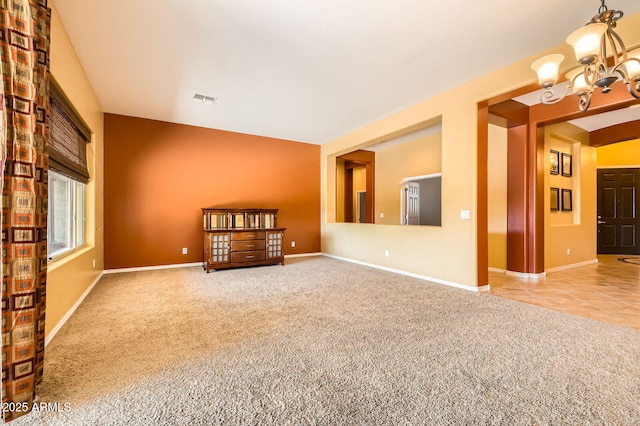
[{"x": 209, "y": 100}]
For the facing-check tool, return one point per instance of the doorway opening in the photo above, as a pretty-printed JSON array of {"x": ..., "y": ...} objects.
[
  {"x": 618, "y": 211},
  {"x": 527, "y": 195},
  {"x": 361, "y": 206}
]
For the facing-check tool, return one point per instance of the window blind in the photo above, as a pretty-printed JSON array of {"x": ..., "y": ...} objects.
[{"x": 69, "y": 137}]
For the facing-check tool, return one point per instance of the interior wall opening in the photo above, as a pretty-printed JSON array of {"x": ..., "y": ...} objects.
[{"x": 379, "y": 172}]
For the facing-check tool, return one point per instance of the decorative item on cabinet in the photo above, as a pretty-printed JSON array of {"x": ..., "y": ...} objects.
[{"x": 241, "y": 237}]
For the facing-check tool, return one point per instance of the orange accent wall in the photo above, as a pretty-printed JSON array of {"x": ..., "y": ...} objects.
[{"x": 159, "y": 175}]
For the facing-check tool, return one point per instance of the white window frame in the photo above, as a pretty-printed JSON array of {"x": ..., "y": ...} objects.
[{"x": 66, "y": 216}]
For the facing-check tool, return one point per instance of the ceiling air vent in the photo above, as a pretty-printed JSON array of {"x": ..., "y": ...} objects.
[{"x": 209, "y": 100}]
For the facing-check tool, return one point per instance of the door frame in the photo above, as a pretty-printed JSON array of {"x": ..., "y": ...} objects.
[
  {"x": 636, "y": 171},
  {"x": 404, "y": 202}
]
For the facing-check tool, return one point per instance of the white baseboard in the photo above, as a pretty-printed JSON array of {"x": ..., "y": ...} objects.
[
  {"x": 187, "y": 265},
  {"x": 497, "y": 270},
  {"x": 70, "y": 312},
  {"x": 573, "y": 265},
  {"x": 152, "y": 268},
  {"x": 481, "y": 289},
  {"x": 290, "y": 256},
  {"x": 526, "y": 275}
]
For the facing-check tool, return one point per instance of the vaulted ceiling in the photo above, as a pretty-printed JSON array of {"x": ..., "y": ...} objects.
[{"x": 307, "y": 71}]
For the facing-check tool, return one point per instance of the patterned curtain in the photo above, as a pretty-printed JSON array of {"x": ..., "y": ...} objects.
[{"x": 24, "y": 42}]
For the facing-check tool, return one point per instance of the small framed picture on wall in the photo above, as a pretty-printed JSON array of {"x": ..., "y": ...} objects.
[
  {"x": 566, "y": 164},
  {"x": 567, "y": 203},
  {"x": 555, "y": 199},
  {"x": 554, "y": 162}
]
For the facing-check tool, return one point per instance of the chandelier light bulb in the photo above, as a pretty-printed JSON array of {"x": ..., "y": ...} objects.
[
  {"x": 578, "y": 81},
  {"x": 547, "y": 69},
  {"x": 586, "y": 42},
  {"x": 633, "y": 67}
]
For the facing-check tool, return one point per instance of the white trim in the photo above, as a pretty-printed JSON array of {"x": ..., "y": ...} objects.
[
  {"x": 70, "y": 312},
  {"x": 497, "y": 270},
  {"x": 65, "y": 258},
  {"x": 516, "y": 274},
  {"x": 411, "y": 274},
  {"x": 429, "y": 176},
  {"x": 525, "y": 275},
  {"x": 618, "y": 167},
  {"x": 290, "y": 256},
  {"x": 187, "y": 265},
  {"x": 152, "y": 268},
  {"x": 573, "y": 265}
]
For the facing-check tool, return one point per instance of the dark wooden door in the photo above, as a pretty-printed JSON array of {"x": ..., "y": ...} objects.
[{"x": 618, "y": 211}]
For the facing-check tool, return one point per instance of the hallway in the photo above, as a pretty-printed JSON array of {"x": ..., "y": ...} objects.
[{"x": 608, "y": 291}]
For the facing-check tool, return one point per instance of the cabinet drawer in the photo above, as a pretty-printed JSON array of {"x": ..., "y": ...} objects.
[
  {"x": 248, "y": 235},
  {"x": 247, "y": 245},
  {"x": 247, "y": 256}
]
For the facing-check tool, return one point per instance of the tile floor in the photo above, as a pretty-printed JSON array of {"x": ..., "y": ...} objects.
[{"x": 607, "y": 291}]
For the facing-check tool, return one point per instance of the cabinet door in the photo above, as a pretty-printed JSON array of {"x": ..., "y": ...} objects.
[
  {"x": 274, "y": 244},
  {"x": 220, "y": 247}
]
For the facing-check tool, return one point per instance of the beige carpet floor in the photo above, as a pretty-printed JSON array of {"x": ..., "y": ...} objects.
[{"x": 324, "y": 342}]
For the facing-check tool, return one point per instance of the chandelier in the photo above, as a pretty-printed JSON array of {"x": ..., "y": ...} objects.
[{"x": 593, "y": 44}]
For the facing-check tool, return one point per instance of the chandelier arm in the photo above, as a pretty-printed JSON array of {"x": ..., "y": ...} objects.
[
  {"x": 585, "y": 101},
  {"x": 548, "y": 96},
  {"x": 612, "y": 35},
  {"x": 607, "y": 39},
  {"x": 634, "y": 92},
  {"x": 591, "y": 72},
  {"x": 619, "y": 69},
  {"x": 622, "y": 70}
]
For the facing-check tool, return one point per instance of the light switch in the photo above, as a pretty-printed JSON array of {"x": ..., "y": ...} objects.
[{"x": 464, "y": 214}]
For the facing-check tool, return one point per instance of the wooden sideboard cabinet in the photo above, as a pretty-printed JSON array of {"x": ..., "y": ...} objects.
[{"x": 241, "y": 237}]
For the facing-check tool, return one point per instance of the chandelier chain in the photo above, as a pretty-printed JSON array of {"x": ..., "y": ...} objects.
[{"x": 603, "y": 7}]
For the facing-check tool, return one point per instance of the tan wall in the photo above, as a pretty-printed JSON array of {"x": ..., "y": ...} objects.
[
  {"x": 69, "y": 277},
  {"x": 570, "y": 237},
  {"x": 449, "y": 252},
  {"x": 497, "y": 197},
  {"x": 159, "y": 175},
  {"x": 417, "y": 157},
  {"x": 623, "y": 154}
]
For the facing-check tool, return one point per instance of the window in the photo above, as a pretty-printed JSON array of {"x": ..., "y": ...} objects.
[
  {"x": 66, "y": 214},
  {"x": 68, "y": 176}
]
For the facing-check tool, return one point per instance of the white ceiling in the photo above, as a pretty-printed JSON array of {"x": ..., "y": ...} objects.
[
  {"x": 307, "y": 71},
  {"x": 607, "y": 119}
]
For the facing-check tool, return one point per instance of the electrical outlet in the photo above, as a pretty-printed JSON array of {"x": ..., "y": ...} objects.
[
  {"x": 386, "y": 253},
  {"x": 293, "y": 243},
  {"x": 381, "y": 215},
  {"x": 184, "y": 250},
  {"x": 94, "y": 263},
  {"x": 568, "y": 251}
]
